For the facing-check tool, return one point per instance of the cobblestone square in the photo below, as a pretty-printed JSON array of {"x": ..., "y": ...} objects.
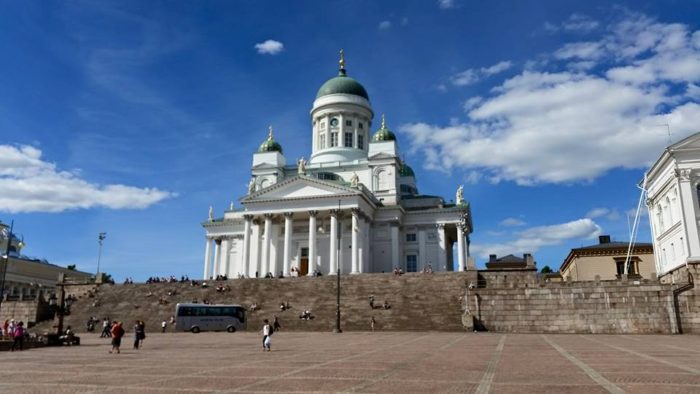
[{"x": 379, "y": 362}]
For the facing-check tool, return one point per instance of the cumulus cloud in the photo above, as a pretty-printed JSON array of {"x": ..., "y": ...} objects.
[
  {"x": 534, "y": 238},
  {"x": 558, "y": 123},
  {"x": 384, "y": 25},
  {"x": 269, "y": 47},
  {"x": 474, "y": 75},
  {"x": 512, "y": 222},
  {"x": 575, "y": 23},
  {"x": 610, "y": 214},
  {"x": 30, "y": 184},
  {"x": 446, "y": 4}
]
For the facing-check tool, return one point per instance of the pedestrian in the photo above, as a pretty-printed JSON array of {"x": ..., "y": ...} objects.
[
  {"x": 18, "y": 337},
  {"x": 139, "y": 333},
  {"x": 106, "y": 329},
  {"x": 372, "y": 322},
  {"x": 117, "y": 334},
  {"x": 163, "y": 325},
  {"x": 371, "y": 301},
  {"x": 267, "y": 334},
  {"x": 276, "y": 324}
]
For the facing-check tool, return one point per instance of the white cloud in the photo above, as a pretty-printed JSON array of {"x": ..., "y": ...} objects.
[
  {"x": 610, "y": 214},
  {"x": 384, "y": 25},
  {"x": 446, "y": 4},
  {"x": 472, "y": 102},
  {"x": 575, "y": 23},
  {"x": 30, "y": 184},
  {"x": 512, "y": 222},
  {"x": 534, "y": 238},
  {"x": 570, "y": 126},
  {"x": 269, "y": 47},
  {"x": 471, "y": 75}
]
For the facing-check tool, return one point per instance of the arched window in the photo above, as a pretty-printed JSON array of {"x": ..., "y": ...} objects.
[
  {"x": 669, "y": 211},
  {"x": 660, "y": 219}
]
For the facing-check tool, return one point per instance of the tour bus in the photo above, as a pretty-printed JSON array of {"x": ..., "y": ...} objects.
[{"x": 203, "y": 317}]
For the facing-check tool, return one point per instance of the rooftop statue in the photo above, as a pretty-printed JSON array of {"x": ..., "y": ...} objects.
[
  {"x": 460, "y": 195},
  {"x": 301, "y": 166},
  {"x": 354, "y": 179},
  {"x": 211, "y": 213},
  {"x": 251, "y": 186}
]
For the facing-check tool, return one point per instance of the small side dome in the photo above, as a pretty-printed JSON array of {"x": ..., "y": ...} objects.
[
  {"x": 383, "y": 134},
  {"x": 405, "y": 170},
  {"x": 270, "y": 145}
]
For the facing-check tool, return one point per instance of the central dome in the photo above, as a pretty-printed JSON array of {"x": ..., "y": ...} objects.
[{"x": 342, "y": 84}]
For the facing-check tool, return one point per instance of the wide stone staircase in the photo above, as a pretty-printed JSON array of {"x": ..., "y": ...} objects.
[{"x": 418, "y": 302}]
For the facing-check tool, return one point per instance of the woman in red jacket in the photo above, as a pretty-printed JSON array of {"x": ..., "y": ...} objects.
[{"x": 117, "y": 334}]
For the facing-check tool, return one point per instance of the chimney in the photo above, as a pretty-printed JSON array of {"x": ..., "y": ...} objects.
[
  {"x": 492, "y": 258},
  {"x": 529, "y": 261},
  {"x": 604, "y": 239}
]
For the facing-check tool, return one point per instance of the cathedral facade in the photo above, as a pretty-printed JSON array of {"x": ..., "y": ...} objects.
[{"x": 353, "y": 207}]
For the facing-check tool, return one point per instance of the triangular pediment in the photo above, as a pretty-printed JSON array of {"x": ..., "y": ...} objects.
[
  {"x": 382, "y": 155},
  {"x": 690, "y": 142},
  {"x": 298, "y": 188}
]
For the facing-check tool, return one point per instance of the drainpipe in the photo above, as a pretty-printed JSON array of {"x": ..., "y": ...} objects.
[{"x": 676, "y": 307}]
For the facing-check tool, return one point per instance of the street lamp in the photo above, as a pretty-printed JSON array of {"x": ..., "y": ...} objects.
[
  {"x": 100, "y": 237},
  {"x": 6, "y": 257},
  {"x": 337, "y": 329}
]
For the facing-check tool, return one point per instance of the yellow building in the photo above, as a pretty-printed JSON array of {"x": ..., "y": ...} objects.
[{"x": 607, "y": 259}]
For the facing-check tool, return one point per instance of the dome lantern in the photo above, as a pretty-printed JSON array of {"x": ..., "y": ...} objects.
[
  {"x": 383, "y": 134},
  {"x": 270, "y": 145},
  {"x": 342, "y": 84}
]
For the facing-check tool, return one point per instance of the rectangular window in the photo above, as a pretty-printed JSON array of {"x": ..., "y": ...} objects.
[
  {"x": 411, "y": 237},
  {"x": 360, "y": 142},
  {"x": 360, "y": 125},
  {"x": 621, "y": 267},
  {"x": 412, "y": 263},
  {"x": 323, "y": 125},
  {"x": 334, "y": 139},
  {"x": 348, "y": 122},
  {"x": 322, "y": 141},
  {"x": 348, "y": 140}
]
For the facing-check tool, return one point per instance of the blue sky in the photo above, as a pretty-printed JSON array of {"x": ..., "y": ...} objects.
[{"x": 133, "y": 117}]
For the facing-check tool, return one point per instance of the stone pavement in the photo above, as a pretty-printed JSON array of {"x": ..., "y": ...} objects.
[{"x": 380, "y": 362}]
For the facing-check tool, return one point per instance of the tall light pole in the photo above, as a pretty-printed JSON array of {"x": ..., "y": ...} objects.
[
  {"x": 337, "y": 260},
  {"x": 100, "y": 237},
  {"x": 6, "y": 257}
]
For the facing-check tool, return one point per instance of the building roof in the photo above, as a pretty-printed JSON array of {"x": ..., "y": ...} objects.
[
  {"x": 383, "y": 134},
  {"x": 270, "y": 145},
  {"x": 342, "y": 84},
  {"x": 606, "y": 248},
  {"x": 405, "y": 170}
]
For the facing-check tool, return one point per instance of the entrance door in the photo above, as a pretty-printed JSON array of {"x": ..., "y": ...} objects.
[{"x": 304, "y": 262}]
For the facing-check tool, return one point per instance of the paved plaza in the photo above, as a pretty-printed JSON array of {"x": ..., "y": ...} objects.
[{"x": 380, "y": 362}]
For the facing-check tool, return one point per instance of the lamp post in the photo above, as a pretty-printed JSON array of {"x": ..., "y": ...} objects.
[
  {"x": 6, "y": 257},
  {"x": 337, "y": 329},
  {"x": 100, "y": 237}
]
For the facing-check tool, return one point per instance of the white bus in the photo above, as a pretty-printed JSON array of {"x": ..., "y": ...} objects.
[{"x": 203, "y": 317}]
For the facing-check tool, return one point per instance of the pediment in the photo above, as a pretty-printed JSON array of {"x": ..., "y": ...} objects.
[
  {"x": 690, "y": 142},
  {"x": 381, "y": 155},
  {"x": 299, "y": 188}
]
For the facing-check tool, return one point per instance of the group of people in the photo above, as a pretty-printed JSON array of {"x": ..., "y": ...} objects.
[
  {"x": 220, "y": 288},
  {"x": 267, "y": 331},
  {"x": 162, "y": 279},
  {"x": 16, "y": 332},
  {"x": 384, "y": 306},
  {"x": 398, "y": 271}
]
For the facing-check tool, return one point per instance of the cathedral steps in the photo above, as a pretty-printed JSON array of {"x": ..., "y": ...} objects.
[{"x": 418, "y": 301}]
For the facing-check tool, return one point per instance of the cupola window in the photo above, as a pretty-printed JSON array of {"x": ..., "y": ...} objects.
[
  {"x": 334, "y": 139},
  {"x": 348, "y": 122},
  {"x": 322, "y": 141},
  {"x": 348, "y": 140},
  {"x": 360, "y": 142},
  {"x": 360, "y": 126}
]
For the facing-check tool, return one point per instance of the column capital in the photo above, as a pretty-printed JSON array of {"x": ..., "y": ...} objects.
[
  {"x": 683, "y": 174},
  {"x": 335, "y": 212},
  {"x": 218, "y": 241},
  {"x": 248, "y": 218},
  {"x": 268, "y": 216},
  {"x": 440, "y": 226},
  {"x": 355, "y": 211},
  {"x": 313, "y": 213},
  {"x": 288, "y": 214}
]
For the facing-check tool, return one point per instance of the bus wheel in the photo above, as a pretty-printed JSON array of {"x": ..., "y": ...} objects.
[
  {"x": 231, "y": 329},
  {"x": 195, "y": 330}
]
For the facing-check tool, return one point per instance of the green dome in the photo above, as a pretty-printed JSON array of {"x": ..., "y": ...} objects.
[
  {"x": 342, "y": 84},
  {"x": 270, "y": 145},
  {"x": 405, "y": 170},
  {"x": 383, "y": 134}
]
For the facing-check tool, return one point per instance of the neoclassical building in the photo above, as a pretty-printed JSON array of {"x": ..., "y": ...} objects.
[
  {"x": 673, "y": 191},
  {"x": 354, "y": 205}
]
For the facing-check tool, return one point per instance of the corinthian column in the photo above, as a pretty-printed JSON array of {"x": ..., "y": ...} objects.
[
  {"x": 312, "y": 242},
  {"x": 333, "y": 251},
  {"x": 265, "y": 264},
  {"x": 288, "y": 228},
  {"x": 207, "y": 259},
  {"x": 460, "y": 249},
  {"x": 355, "y": 231},
  {"x": 245, "y": 269}
]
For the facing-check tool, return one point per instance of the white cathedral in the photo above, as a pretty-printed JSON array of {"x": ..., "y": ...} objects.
[{"x": 353, "y": 207}]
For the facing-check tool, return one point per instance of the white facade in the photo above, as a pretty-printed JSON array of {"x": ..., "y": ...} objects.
[
  {"x": 673, "y": 187},
  {"x": 354, "y": 205}
]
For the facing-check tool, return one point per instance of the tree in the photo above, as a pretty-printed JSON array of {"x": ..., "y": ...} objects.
[
  {"x": 71, "y": 267},
  {"x": 546, "y": 270}
]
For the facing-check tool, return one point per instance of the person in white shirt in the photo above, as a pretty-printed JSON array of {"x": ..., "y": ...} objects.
[{"x": 267, "y": 333}]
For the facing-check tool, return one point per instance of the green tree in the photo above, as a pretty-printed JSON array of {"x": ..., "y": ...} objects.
[
  {"x": 546, "y": 270},
  {"x": 71, "y": 267}
]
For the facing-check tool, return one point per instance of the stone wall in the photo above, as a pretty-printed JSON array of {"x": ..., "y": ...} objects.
[
  {"x": 634, "y": 307},
  {"x": 687, "y": 296}
]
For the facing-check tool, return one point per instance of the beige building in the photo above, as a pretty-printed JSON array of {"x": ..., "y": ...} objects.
[{"x": 607, "y": 259}]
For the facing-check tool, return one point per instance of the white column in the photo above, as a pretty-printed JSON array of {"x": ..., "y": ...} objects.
[
  {"x": 442, "y": 251},
  {"x": 333, "y": 251},
  {"x": 255, "y": 252},
  {"x": 396, "y": 259},
  {"x": 688, "y": 207},
  {"x": 265, "y": 262},
  {"x": 245, "y": 262},
  {"x": 354, "y": 250},
  {"x": 361, "y": 248},
  {"x": 312, "y": 243},
  {"x": 422, "y": 252},
  {"x": 226, "y": 250},
  {"x": 288, "y": 228},
  {"x": 460, "y": 248},
  {"x": 207, "y": 259},
  {"x": 217, "y": 257},
  {"x": 365, "y": 246}
]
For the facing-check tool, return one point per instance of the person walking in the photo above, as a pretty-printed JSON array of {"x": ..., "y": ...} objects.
[
  {"x": 267, "y": 334},
  {"x": 139, "y": 333},
  {"x": 372, "y": 322},
  {"x": 117, "y": 334},
  {"x": 163, "y": 325},
  {"x": 276, "y": 324},
  {"x": 18, "y": 337},
  {"x": 106, "y": 329}
]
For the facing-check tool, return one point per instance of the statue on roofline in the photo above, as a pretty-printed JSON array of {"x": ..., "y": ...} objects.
[
  {"x": 211, "y": 213},
  {"x": 354, "y": 179},
  {"x": 251, "y": 186},
  {"x": 301, "y": 166},
  {"x": 459, "y": 199}
]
